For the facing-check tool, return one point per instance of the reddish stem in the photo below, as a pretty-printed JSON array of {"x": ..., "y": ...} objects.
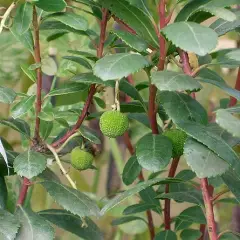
[
  {"x": 37, "y": 58},
  {"x": 23, "y": 191},
  {"x": 185, "y": 62},
  {"x": 233, "y": 101},
  {"x": 92, "y": 87},
  {"x": 217, "y": 196},
  {"x": 124, "y": 25},
  {"x": 167, "y": 206},
  {"x": 202, "y": 230},
  {"x": 211, "y": 224}
]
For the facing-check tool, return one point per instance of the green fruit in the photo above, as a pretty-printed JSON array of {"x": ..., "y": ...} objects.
[
  {"x": 81, "y": 159},
  {"x": 178, "y": 139},
  {"x": 113, "y": 124}
]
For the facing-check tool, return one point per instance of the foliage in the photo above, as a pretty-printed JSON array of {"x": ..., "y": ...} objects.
[{"x": 64, "y": 65}]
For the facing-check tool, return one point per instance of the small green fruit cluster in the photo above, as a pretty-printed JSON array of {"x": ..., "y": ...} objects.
[
  {"x": 113, "y": 124},
  {"x": 178, "y": 138},
  {"x": 81, "y": 159}
]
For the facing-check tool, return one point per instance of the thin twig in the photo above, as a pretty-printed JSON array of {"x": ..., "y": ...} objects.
[
  {"x": 6, "y": 15},
  {"x": 37, "y": 58},
  {"x": 167, "y": 206},
  {"x": 124, "y": 25},
  {"x": 61, "y": 166},
  {"x": 233, "y": 101},
  {"x": 217, "y": 196},
  {"x": 211, "y": 224}
]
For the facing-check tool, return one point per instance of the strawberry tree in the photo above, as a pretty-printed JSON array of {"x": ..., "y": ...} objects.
[{"x": 133, "y": 75}]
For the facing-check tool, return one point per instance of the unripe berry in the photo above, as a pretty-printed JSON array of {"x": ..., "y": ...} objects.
[
  {"x": 113, "y": 124},
  {"x": 178, "y": 138},
  {"x": 81, "y": 159}
]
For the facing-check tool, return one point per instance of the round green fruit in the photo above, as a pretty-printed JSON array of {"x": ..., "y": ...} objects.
[
  {"x": 81, "y": 159},
  {"x": 113, "y": 124},
  {"x": 178, "y": 138}
]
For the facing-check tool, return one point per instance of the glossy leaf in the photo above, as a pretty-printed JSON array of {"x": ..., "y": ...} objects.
[
  {"x": 4, "y": 154},
  {"x": 67, "y": 89},
  {"x": 190, "y": 196},
  {"x": 29, "y": 73},
  {"x": 75, "y": 202},
  {"x": 138, "y": 208},
  {"x": 29, "y": 164},
  {"x": 131, "y": 170},
  {"x": 18, "y": 125},
  {"x": 51, "y": 5},
  {"x": 212, "y": 141},
  {"x": 34, "y": 227},
  {"x": 191, "y": 37},
  {"x": 119, "y": 65},
  {"x": 9, "y": 225},
  {"x": 87, "y": 78},
  {"x": 204, "y": 162},
  {"x": 45, "y": 129},
  {"x": 190, "y": 234},
  {"x": 154, "y": 152},
  {"x": 134, "y": 17},
  {"x": 80, "y": 61},
  {"x": 227, "y": 121},
  {"x": 7, "y": 95},
  {"x": 131, "y": 40},
  {"x": 23, "y": 106},
  {"x": 188, "y": 108},
  {"x": 3, "y": 194},
  {"x": 124, "y": 220},
  {"x": 211, "y": 77},
  {"x": 166, "y": 235},
  {"x": 72, "y": 223},
  {"x": 89, "y": 134},
  {"x": 23, "y": 18},
  {"x": 71, "y": 19},
  {"x": 130, "y": 192},
  {"x": 4, "y": 170},
  {"x": 192, "y": 214},
  {"x": 174, "y": 81},
  {"x": 228, "y": 58}
]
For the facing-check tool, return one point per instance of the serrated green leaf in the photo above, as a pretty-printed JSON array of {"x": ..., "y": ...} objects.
[
  {"x": 192, "y": 214},
  {"x": 204, "y": 162},
  {"x": 191, "y": 37},
  {"x": 51, "y": 5},
  {"x": 232, "y": 180},
  {"x": 70, "y": 87},
  {"x": 221, "y": 26},
  {"x": 80, "y": 61},
  {"x": 89, "y": 134},
  {"x": 166, "y": 235},
  {"x": 193, "y": 196},
  {"x": 119, "y": 65},
  {"x": 71, "y": 19},
  {"x": 31, "y": 74},
  {"x": 131, "y": 170},
  {"x": 87, "y": 55},
  {"x": 188, "y": 108},
  {"x": 227, "y": 121},
  {"x": 138, "y": 208},
  {"x": 34, "y": 227},
  {"x": 3, "y": 193},
  {"x": 130, "y": 192},
  {"x": 134, "y": 17},
  {"x": 75, "y": 202},
  {"x": 126, "y": 219},
  {"x": 211, "y": 77},
  {"x": 212, "y": 141},
  {"x": 174, "y": 81},
  {"x": 72, "y": 223},
  {"x": 4, "y": 170},
  {"x": 26, "y": 39},
  {"x": 29, "y": 164},
  {"x": 131, "y": 40},
  {"x": 154, "y": 152},
  {"x": 23, "y": 18},
  {"x": 215, "y": 7},
  {"x": 190, "y": 234},
  {"x": 18, "y": 125},
  {"x": 23, "y": 106},
  {"x": 45, "y": 129},
  {"x": 7, "y": 95},
  {"x": 9, "y": 225},
  {"x": 87, "y": 78}
]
